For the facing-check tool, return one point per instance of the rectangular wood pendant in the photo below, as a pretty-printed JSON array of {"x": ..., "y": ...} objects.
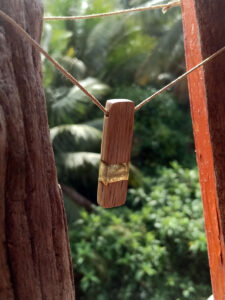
[{"x": 115, "y": 153}]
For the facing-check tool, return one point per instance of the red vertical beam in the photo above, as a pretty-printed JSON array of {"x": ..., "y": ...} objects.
[{"x": 204, "y": 33}]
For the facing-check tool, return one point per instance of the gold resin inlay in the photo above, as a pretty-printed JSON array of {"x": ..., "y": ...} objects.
[{"x": 113, "y": 173}]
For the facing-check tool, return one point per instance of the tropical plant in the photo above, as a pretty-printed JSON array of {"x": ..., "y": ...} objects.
[
  {"x": 126, "y": 48},
  {"x": 154, "y": 248},
  {"x": 77, "y": 154}
]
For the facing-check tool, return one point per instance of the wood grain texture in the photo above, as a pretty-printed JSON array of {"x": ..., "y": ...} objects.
[
  {"x": 116, "y": 149},
  {"x": 204, "y": 23},
  {"x": 35, "y": 257}
]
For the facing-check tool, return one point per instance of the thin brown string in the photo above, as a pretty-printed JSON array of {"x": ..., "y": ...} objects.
[
  {"x": 74, "y": 81},
  {"x": 164, "y": 8},
  {"x": 204, "y": 62},
  {"x": 52, "y": 60}
]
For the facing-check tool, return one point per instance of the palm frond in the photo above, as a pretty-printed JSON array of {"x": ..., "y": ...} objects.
[
  {"x": 72, "y": 106},
  {"x": 70, "y": 138},
  {"x": 73, "y": 65},
  {"x": 97, "y": 46},
  {"x": 80, "y": 171},
  {"x": 75, "y": 95},
  {"x": 81, "y": 160},
  {"x": 158, "y": 59},
  {"x": 96, "y": 123},
  {"x": 84, "y": 165}
]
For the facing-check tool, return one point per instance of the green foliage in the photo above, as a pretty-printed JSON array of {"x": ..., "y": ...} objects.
[
  {"x": 134, "y": 48},
  {"x": 80, "y": 170},
  {"x": 80, "y": 137},
  {"x": 70, "y": 105},
  {"x": 153, "y": 249},
  {"x": 77, "y": 156}
]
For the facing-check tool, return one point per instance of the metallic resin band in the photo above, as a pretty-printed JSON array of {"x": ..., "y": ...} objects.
[{"x": 113, "y": 173}]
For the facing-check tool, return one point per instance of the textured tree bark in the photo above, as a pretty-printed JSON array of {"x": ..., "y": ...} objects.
[
  {"x": 35, "y": 261},
  {"x": 204, "y": 23}
]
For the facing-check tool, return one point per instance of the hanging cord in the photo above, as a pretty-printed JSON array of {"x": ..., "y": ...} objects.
[
  {"x": 74, "y": 81},
  {"x": 52, "y": 60},
  {"x": 164, "y": 8},
  {"x": 172, "y": 83}
]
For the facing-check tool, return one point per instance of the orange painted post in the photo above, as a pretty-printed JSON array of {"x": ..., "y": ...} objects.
[{"x": 204, "y": 33}]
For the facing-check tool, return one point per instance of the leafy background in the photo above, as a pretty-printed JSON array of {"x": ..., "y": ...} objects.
[{"x": 154, "y": 247}]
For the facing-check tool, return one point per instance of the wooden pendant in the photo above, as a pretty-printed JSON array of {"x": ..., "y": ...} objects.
[{"x": 115, "y": 153}]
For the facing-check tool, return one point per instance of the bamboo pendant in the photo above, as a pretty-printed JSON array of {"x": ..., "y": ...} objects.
[{"x": 115, "y": 153}]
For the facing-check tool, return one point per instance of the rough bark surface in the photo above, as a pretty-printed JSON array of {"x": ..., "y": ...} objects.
[
  {"x": 35, "y": 261},
  {"x": 204, "y": 24}
]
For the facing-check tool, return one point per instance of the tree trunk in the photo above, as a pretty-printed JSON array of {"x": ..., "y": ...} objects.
[{"x": 35, "y": 261}]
